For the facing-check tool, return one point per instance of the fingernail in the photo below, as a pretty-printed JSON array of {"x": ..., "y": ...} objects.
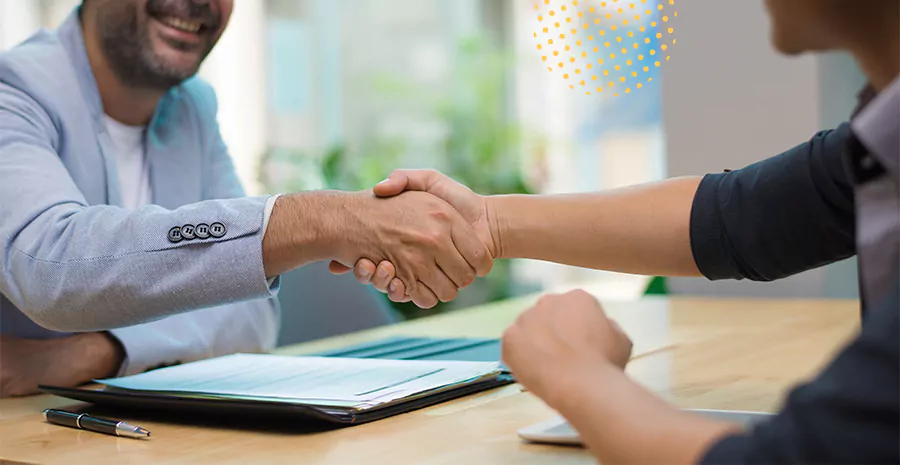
[
  {"x": 393, "y": 287},
  {"x": 382, "y": 274},
  {"x": 365, "y": 273},
  {"x": 386, "y": 180}
]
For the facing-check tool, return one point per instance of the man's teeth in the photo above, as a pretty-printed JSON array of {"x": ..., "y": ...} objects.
[{"x": 181, "y": 24}]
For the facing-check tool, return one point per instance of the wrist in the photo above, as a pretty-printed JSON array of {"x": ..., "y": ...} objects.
[
  {"x": 497, "y": 223},
  {"x": 575, "y": 386},
  {"x": 340, "y": 225},
  {"x": 304, "y": 228},
  {"x": 101, "y": 355}
]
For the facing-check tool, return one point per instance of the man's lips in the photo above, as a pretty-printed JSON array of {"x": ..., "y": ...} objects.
[
  {"x": 180, "y": 24},
  {"x": 188, "y": 33}
]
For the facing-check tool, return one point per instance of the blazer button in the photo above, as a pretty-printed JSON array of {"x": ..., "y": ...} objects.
[
  {"x": 187, "y": 231},
  {"x": 217, "y": 230},
  {"x": 202, "y": 231},
  {"x": 175, "y": 235}
]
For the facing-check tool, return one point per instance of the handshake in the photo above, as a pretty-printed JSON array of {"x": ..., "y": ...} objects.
[{"x": 432, "y": 237}]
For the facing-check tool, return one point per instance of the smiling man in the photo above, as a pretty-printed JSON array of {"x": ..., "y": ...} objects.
[{"x": 120, "y": 206}]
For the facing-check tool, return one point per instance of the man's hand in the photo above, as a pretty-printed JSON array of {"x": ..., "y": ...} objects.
[
  {"x": 436, "y": 251},
  {"x": 66, "y": 362},
  {"x": 568, "y": 353},
  {"x": 555, "y": 342},
  {"x": 473, "y": 208}
]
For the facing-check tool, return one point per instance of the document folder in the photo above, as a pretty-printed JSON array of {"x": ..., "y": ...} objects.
[{"x": 333, "y": 390}]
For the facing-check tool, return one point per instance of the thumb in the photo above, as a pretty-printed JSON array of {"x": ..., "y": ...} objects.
[
  {"x": 409, "y": 180},
  {"x": 338, "y": 268},
  {"x": 394, "y": 185}
]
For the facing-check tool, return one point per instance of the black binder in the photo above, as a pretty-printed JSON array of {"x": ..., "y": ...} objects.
[{"x": 399, "y": 348}]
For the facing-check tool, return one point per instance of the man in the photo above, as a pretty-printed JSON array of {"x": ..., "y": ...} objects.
[
  {"x": 828, "y": 199},
  {"x": 121, "y": 206}
]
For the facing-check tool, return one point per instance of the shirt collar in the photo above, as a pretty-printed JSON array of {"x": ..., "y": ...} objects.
[
  {"x": 877, "y": 126},
  {"x": 863, "y": 99}
]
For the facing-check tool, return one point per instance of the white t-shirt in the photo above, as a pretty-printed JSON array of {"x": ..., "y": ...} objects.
[{"x": 131, "y": 159}]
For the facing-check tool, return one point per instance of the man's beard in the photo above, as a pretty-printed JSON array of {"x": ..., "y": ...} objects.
[{"x": 129, "y": 51}]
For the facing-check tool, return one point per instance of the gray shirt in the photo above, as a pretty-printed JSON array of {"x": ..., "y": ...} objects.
[{"x": 877, "y": 175}]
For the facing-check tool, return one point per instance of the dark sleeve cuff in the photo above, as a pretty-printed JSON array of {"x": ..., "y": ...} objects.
[
  {"x": 708, "y": 235},
  {"x": 729, "y": 451}
]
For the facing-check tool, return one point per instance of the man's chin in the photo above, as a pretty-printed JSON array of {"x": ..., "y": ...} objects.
[
  {"x": 176, "y": 67},
  {"x": 786, "y": 46},
  {"x": 176, "y": 58},
  {"x": 799, "y": 45}
]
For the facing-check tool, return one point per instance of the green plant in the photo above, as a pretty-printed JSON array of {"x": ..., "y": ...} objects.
[{"x": 482, "y": 147}]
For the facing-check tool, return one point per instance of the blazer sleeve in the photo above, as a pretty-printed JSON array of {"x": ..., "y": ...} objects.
[{"x": 71, "y": 266}]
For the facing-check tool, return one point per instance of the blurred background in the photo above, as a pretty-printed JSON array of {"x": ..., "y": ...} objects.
[{"x": 337, "y": 93}]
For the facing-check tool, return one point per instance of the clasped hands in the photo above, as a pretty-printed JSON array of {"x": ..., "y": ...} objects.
[
  {"x": 468, "y": 252},
  {"x": 551, "y": 345}
]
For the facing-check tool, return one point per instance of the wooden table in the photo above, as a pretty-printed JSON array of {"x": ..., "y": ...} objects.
[{"x": 731, "y": 354}]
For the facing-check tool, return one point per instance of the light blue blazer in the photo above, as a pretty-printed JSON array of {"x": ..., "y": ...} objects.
[{"x": 71, "y": 259}]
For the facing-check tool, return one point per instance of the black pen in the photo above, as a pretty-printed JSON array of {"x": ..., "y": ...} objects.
[{"x": 97, "y": 425}]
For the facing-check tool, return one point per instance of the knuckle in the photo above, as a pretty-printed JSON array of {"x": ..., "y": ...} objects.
[
  {"x": 585, "y": 297},
  {"x": 417, "y": 266},
  {"x": 433, "y": 239},
  {"x": 522, "y": 319},
  {"x": 581, "y": 294},
  {"x": 427, "y": 239},
  {"x": 511, "y": 331},
  {"x": 508, "y": 342},
  {"x": 437, "y": 236},
  {"x": 440, "y": 214},
  {"x": 406, "y": 259},
  {"x": 507, "y": 339},
  {"x": 408, "y": 282}
]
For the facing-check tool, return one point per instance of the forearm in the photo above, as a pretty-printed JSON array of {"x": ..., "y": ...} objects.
[
  {"x": 304, "y": 228},
  {"x": 619, "y": 424},
  {"x": 639, "y": 230}
]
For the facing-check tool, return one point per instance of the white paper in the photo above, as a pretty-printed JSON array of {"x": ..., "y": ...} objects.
[{"x": 316, "y": 380}]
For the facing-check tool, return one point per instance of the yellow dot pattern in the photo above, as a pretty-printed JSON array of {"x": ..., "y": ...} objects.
[{"x": 566, "y": 31}]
